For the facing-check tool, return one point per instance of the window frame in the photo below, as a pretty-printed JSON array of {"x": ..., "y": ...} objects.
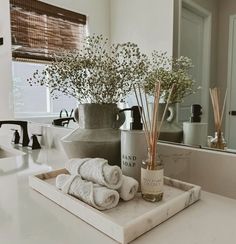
[
  {"x": 38, "y": 41},
  {"x": 56, "y": 12}
]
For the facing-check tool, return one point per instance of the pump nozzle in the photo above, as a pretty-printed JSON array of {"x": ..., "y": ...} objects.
[
  {"x": 136, "y": 123},
  {"x": 196, "y": 112}
]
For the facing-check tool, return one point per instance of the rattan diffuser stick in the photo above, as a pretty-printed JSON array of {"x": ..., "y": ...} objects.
[
  {"x": 218, "y": 112},
  {"x": 152, "y": 125},
  {"x": 147, "y": 135}
]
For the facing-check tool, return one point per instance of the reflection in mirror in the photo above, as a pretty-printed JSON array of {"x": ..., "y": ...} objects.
[{"x": 204, "y": 30}]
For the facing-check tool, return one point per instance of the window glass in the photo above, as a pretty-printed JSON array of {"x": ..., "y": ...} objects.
[
  {"x": 35, "y": 100},
  {"x": 63, "y": 102},
  {"x": 28, "y": 99}
]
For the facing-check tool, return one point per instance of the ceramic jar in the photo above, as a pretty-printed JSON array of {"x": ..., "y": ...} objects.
[
  {"x": 170, "y": 129},
  {"x": 98, "y": 133}
]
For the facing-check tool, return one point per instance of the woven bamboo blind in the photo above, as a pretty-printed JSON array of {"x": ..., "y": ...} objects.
[{"x": 40, "y": 29}]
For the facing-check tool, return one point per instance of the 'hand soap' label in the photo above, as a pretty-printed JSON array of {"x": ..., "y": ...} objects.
[
  {"x": 131, "y": 166},
  {"x": 129, "y": 160},
  {"x": 152, "y": 181}
]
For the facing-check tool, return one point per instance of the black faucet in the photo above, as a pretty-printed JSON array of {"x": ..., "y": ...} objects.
[
  {"x": 63, "y": 121},
  {"x": 66, "y": 112},
  {"x": 24, "y": 129},
  {"x": 34, "y": 143}
]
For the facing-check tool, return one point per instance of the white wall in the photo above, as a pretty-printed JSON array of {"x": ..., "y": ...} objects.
[
  {"x": 147, "y": 23},
  {"x": 226, "y": 8},
  {"x": 6, "y": 109}
]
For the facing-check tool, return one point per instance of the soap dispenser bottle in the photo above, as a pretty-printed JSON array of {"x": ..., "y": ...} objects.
[
  {"x": 133, "y": 145},
  {"x": 195, "y": 132}
]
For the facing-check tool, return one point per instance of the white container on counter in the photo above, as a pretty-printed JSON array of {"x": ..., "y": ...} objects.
[
  {"x": 195, "y": 133},
  {"x": 133, "y": 146}
]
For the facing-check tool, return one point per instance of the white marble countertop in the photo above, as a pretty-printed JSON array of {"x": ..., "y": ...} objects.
[{"x": 26, "y": 217}]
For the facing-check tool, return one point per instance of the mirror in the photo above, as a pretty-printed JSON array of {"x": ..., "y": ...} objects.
[{"x": 204, "y": 30}]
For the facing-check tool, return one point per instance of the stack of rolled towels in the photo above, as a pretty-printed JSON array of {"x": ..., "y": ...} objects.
[{"x": 95, "y": 182}]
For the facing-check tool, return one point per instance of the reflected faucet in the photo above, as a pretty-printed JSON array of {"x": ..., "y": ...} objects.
[
  {"x": 24, "y": 129},
  {"x": 61, "y": 112},
  {"x": 63, "y": 121}
]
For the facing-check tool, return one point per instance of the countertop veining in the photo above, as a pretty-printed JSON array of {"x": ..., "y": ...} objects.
[{"x": 27, "y": 217}]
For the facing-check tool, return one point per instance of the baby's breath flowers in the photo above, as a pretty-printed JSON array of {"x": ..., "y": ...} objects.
[
  {"x": 98, "y": 73},
  {"x": 169, "y": 71}
]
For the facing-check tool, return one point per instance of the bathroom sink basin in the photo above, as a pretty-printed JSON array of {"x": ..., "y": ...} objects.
[{"x": 7, "y": 153}]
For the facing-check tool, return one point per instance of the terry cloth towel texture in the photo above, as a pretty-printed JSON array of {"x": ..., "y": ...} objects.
[
  {"x": 128, "y": 188},
  {"x": 95, "y": 195},
  {"x": 96, "y": 170}
]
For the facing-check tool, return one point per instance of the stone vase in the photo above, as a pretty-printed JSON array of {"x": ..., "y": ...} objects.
[
  {"x": 98, "y": 133},
  {"x": 171, "y": 130}
]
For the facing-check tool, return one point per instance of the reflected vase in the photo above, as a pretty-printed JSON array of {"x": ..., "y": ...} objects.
[
  {"x": 171, "y": 130},
  {"x": 98, "y": 133}
]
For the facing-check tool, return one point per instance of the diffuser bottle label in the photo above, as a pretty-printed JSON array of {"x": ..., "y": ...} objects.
[{"x": 152, "y": 181}]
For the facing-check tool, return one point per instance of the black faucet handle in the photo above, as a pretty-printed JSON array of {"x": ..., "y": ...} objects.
[
  {"x": 71, "y": 113},
  {"x": 34, "y": 143},
  {"x": 36, "y": 134},
  {"x": 24, "y": 130},
  {"x": 63, "y": 121},
  {"x": 61, "y": 112},
  {"x": 16, "y": 137}
]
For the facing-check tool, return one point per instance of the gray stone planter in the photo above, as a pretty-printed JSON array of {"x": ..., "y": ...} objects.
[
  {"x": 170, "y": 130},
  {"x": 98, "y": 133}
]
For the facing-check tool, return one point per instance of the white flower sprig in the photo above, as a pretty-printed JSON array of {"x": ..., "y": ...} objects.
[
  {"x": 170, "y": 71},
  {"x": 98, "y": 73}
]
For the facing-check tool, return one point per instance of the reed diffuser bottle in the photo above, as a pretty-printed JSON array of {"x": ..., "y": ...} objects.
[
  {"x": 152, "y": 178},
  {"x": 218, "y": 142},
  {"x": 152, "y": 171}
]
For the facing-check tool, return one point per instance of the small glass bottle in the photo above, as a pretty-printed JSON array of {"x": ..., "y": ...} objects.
[
  {"x": 152, "y": 178},
  {"x": 218, "y": 141}
]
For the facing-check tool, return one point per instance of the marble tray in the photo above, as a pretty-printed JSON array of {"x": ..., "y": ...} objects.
[{"x": 129, "y": 219}]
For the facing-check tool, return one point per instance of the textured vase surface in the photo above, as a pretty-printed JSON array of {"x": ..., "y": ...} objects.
[
  {"x": 98, "y": 133},
  {"x": 170, "y": 130}
]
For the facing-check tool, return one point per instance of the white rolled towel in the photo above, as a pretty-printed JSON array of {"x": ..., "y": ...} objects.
[
  {"x": 128, "y": 188},
  {"x": 95, "y": 195},
  {"x": 96, "y": 170}
]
